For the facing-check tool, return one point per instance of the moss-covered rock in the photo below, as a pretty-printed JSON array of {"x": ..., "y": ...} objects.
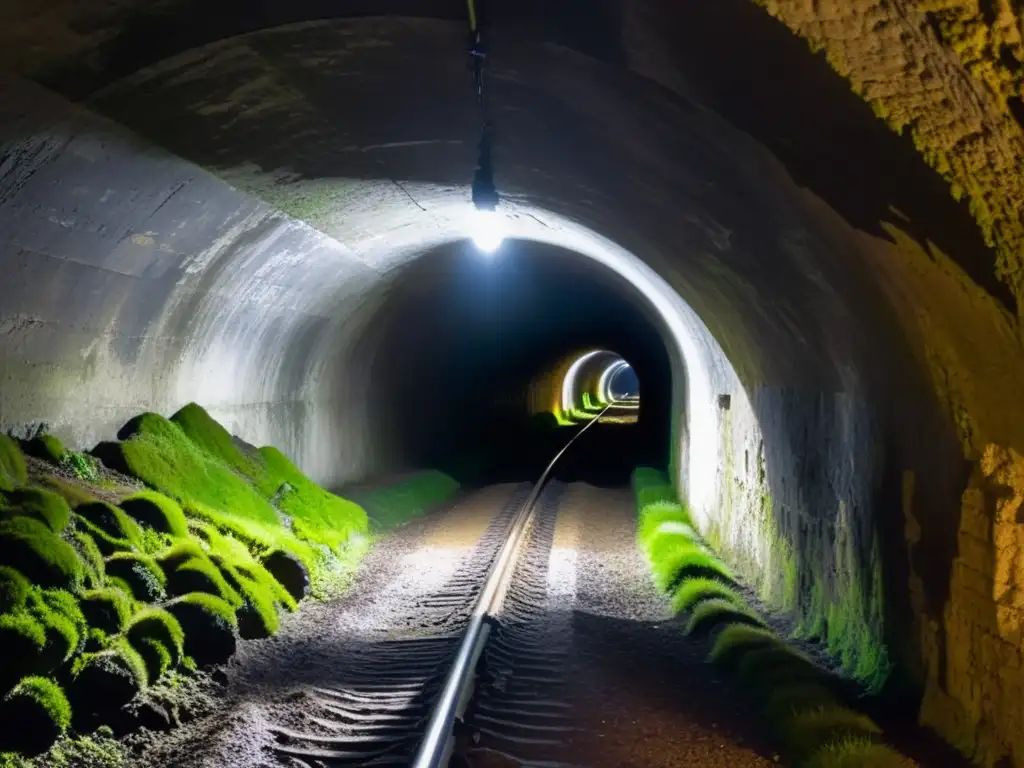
[
  {"x": 113, "y": 521},
  {"x": 46, "y": 447},
  {"x": 39, "y": 504},
  {"x": 199, "y": 574},
  {"x": 209, "y": 624},
  {"x": 157, "y": 624},
  {"x": 62, "y": 620},
  {"x": 14, "y": 589},
  {"x": 22, "y": 640},
  {"x": 318, "y": 516},
  {"x": 36, "y": 552},
  {"x": 106, "y": 681},
  {"x": 103, "y": 541},
  {"x": 107, "y": 609},
  {"x": 91, "y": 557},
  {"x": 34, "y": 715},
  {"x": 288, "y": 571},
  {"x": 141, "y": 573},
  {"x": 159, "y": 453},
  {"x": 257, "y": 615},
  {"x": 13, "y": 471},
  {"x": 209, "y": 435},
  {"x": 158, "y": 638},
  {"x": 157, "y": 511}
]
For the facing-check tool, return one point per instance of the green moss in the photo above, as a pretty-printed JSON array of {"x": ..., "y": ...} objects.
[
  {"x": 22, "y": 641},
  {"x": 42, "y": 505},
  {"x": 14, "y": 589},
  {"x": 97, "y": 750},
  {"x": 109, "y": 679},
  {"x": 144, "y": 577},
  {"x": 101, "y": 540},
  {"x": 675, "y": 566},
  {"x": 693, "y": 592},
  {"x": 156, "y": 511},
  {"x": 257, "y": 614},
  {"x": 764, "y": 671},
  {"x": 156, "y": 656},
  {"x": 160, "y": 625},
  {"x": 857, "y": 752},
  {"x": 664, "y": 518},
  {"x": 389, "y": 507},
  {"x": 46, "y": 447},
  {"x": 714, "y": 613},
  {"x": 107, "y": 609},
  {"x": 317, "y": 516},
  {"x": 13, "y": 471},
  {"x": 199, "y": 574},
  {"x": 790, "y": 698},
  {"x": 209, "y": 436},
  {"x": 734, "y": 641},
  {"x": 160, "y": 454},
  {"x": 63, "y": 623},
  {"x": 83, "y": 467},
  {"x": 807, "y": 731},
  {"x": 90, "y": 556},
  {"x": 74, "y": 494},
  {"x": 36, "y": 552},
  {"x": 35, "y": 714},
  {"x": 113, "y": 521},
  {"x": 209, "y": 624}
]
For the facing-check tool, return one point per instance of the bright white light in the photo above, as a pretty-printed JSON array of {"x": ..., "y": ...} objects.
[{"x": 488, "y": 230}]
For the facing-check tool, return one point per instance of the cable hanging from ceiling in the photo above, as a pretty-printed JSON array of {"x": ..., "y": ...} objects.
[{"x": 485, "y": 195}]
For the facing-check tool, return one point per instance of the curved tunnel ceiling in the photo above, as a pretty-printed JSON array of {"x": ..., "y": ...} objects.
[{"x": 840, "y": 337}]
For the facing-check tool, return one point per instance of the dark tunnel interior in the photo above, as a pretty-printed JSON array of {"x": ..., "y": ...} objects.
[
  {"x": 461, "y": 335},
  {"x": 800, "y": 223}
]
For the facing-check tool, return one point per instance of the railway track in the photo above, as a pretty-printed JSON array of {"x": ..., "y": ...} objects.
[{"x": 479, "y": 665}]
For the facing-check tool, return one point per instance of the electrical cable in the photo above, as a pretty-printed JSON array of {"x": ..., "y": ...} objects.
[{"x": 485, "y": 195}]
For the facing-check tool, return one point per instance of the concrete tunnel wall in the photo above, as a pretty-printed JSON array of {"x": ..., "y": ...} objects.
[{"x": 879, "y": 378}]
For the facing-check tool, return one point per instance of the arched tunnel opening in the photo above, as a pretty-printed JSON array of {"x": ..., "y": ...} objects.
[
  {"x": 462, "y": 338},
  {"x": 761, "y": 266}
]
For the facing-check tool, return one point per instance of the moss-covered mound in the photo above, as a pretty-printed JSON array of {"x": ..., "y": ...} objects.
[
  {"x": 318, "y": 516},
  {"x": 144, "y": 578},
  {"x": 289, "y": 571},
  {"x": 30, "y": 547},
  {"x": 46, "y": 447},
  {"x": 157, "y": 511},
  {"x": 209, "y": 624},
  {"x": 38, "y": 503},
  {"x": 64, "y": 624},
  {"x": 13, "y": 471},
  {"x": 158, "y": 638},
  {"x": 90, "y": 556},
  {"x": 22, "y": 641},
  {"x": 34, "y": 715},
  {"x": 796, "y": 697},
  {"x": 14, "y": 589},
  {"x": 159, "y": 453},
  {"x": 105, "y": 681},
  {"x": 107, "y": 609},
  {"x": 113, "y": 521},
  {"x": 395, "y": 504}
]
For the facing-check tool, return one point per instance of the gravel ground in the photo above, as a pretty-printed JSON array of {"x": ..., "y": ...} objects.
[
  {"x": 268, "y": 680},
  {"x": 641, "y": 691}
]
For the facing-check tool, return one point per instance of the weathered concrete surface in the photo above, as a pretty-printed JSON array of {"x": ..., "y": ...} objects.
[
  {"x": 135, "y": 281},
  {"x": 869, "y": 344}
]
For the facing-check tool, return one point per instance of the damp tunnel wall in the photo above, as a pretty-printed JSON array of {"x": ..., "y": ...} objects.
[{"x": 855, "y": 465}]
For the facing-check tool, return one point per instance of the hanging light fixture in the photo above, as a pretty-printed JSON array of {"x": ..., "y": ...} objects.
[{"x": 487, "y": 223}]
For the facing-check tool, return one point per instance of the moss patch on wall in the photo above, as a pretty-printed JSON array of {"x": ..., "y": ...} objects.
[{"x": 951, "y": 73}]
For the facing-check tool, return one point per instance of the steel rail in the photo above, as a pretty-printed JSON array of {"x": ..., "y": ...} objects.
[{"x": 436, "y": 747}]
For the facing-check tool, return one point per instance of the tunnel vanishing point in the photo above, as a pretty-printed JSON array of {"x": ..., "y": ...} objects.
[{"x": 801, "y": 224}]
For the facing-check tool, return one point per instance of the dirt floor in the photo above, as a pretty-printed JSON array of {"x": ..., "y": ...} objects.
[{"x": 639, "y": 692}]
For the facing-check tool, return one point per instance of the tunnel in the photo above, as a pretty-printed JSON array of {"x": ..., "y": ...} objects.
[{"x": 788, "y": 235}]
